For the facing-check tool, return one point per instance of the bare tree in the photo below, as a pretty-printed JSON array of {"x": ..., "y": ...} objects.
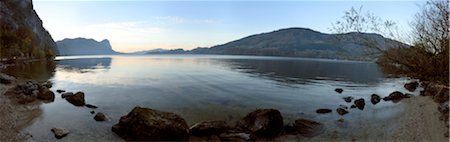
[{"x": 426, "y": 59}]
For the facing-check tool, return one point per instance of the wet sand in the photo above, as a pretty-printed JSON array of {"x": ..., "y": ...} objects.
[{"x": 14, "y": 117}]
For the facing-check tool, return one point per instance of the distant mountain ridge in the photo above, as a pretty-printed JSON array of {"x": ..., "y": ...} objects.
[
  {"x": 300, "y": 42},
  {"x": 83, "y": 46}
]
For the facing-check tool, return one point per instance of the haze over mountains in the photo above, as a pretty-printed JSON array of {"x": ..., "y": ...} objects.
[
  {"x": 83, "y": 46},
  {"x": 299, "y": 42}
]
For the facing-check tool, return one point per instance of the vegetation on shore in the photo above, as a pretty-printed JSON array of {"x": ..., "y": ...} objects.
[{"x": 428, "y": 57}]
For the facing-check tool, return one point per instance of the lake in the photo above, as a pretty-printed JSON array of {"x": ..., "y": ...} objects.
[{"x": 208, "y": 87}]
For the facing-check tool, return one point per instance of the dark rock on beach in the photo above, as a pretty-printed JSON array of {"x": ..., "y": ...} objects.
[
  {"x": 360, "y": 103},
  {"x": 47, "y": 84},
  {"x": 45, "y": 94},
  {"x": 262, "y": 123},
  {"x": 339, "y": 90},
  {"x": 207, "y": 128},
  {"x": 77, "y": 99},
  {"x": 323, "y": 110},
  {"x": 305, "y": 127},
  {"x": 60, "y": 91},
  {"x": 64, "y": 95},
  {"x": 375, "y": 99},
  {"x": 60, "y": 132},
  {"x": 90, "y": 106},
  {"x": 341, "y": 111},
  {"x": 6, "y": 79},
  {"x": 100, "y": 117},
  {"x": 144, "y": 124},
  {"x": 411, "y": 87},
  {"x": 395, "y": 97}
]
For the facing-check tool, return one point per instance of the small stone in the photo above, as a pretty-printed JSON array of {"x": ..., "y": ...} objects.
[
  {"x": 323, "y": 110},
  {"x": 339, "y": 90},
  {"x": 60, "y": 91},
  {"x": 100, "y": 117},
  {"x": 90, "y": 106},
  {"x": 353, "y": 106},
  {"x": 60, "y": 132},
  {"x": 341, "y": 120},
  {"x": 360, "y": 103},
  {"x": 375, "y": 99},
  {"x": 64, "y": 95},
  {"x": 341, "y": 111},
  {"x": 411, "y": 87},
  {"x": 348, "y": 99},
  {"x": 92, "y": 112}
]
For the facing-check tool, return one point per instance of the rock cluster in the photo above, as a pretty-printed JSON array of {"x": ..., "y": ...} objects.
[
  {"x": 6, "y": 79},
  {"x": 30, "y": 91}
]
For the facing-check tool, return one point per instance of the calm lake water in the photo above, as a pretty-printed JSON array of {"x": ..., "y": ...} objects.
[{"x": 208, "y": 87}]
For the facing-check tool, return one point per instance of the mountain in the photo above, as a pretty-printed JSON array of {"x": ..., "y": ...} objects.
[
  {"x": 303, "y": 42},
  {"x": 157, "y": 50},
  {"x": 83, "y": 46},
  {"x": 164, "y": 51},
  {"x": 22, "y": 33}
]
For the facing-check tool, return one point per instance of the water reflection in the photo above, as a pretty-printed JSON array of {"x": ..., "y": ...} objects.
[
  {"x": 303, "y": 71},
  {"x": 39, "y": 70},
  {"x": 84, "y": 65}
]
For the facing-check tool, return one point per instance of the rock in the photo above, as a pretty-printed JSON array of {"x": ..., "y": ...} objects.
[
  {"x": 235, "y": 137},
  {"x": 360, "y": 103},
  {"x": 352, "y": 106},
  {"x": 60, "y": 91},
  {"x": 339, "y": 90},
  {"x": 60, "y": 132},
  {"x": 90, "y": 106},
  {"x": 395, "y": 97},
  {"x": 343, "y": 106},
  {"x": 444, "y": 110},
  {"x": 375, "y": 99},
  {"x": 348, "y": 99},
  {"x": 45, "y": 94},
  {"x": 411, "y": 87},
  {"x": 341, "y": 111},
  {"x": 47, "y": 84},
  {"x": 262, "y": 122},
  {"x": 77, "y": 99},
  {"x": 92, "y": 112},
  {"x": 6, "y": 79},
  {"x": 144, "y": 124},
  {"x": 307, "y": 128},
  {"x": 100, "y": 117},
  {"x": 207, "y": 128},
  {"x": 64, "y": 95},
  {"x": 323, "y": 110}
]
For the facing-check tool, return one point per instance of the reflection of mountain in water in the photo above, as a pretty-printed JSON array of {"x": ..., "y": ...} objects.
[
  {"x": 85, "y": 64},
  {"x": 303, "y": 71},
  {"x": 38, "y": 70}
]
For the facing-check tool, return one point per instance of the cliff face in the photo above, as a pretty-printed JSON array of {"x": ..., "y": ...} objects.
[
  {"x": 82, "y": 46},
  {"x": 22, "y": 32}
]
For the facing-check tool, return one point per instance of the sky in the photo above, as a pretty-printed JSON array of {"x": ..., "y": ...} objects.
[{"x": 144, "y": 24}]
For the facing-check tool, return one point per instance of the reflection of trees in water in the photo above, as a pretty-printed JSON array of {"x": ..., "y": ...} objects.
[
  {"x": 85, "y": 64},
  {"x": 39, "y": 70},
  {"x": 304, "y": 71}
]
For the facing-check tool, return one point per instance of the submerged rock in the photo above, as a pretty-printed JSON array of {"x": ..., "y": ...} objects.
[
  {"x": 323, "y": 110},
  {"x": 375, "y": 99},
  {"x": 360, "y": 103},
  {"x": 348, "y": 99},
  {"x": 60, "y": 91},
  {"x": 45, "y": 94},
  {"x": 207, "y": 128},
  {"x": 90, "y": 106},
  {"x": 144, "y": 124},
  {"x": 411, "y": 87},
  {"x": 47, "y": 84},
  {"x": 395, "y": 96},
  {"x": 339, "y": 90},
  {"x": 60, "y": 132},
  {"x": 77, "y": 99},
  {"x": 100, "y": 117},
  {"x": 304, "y": 127},
  {"x": 64, "y": 95},
  {"x": 262, "y": 123},
  {"x": 6, "y": 79},
  {"x": 341, "y": 111}
]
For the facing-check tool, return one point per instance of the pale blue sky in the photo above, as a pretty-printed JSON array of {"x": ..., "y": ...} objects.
[{"x": 143, "y": 25}]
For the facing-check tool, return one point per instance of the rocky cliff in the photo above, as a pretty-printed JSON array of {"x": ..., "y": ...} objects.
[
  {"x": 82, "y": 46},
  {"x": 22, "y": 33}
]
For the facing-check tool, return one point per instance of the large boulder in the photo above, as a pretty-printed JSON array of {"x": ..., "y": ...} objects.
[
  {"x": 411, "y": 87},
  {"x": 207, "y": 128},
  {"x": 144, "y": 124},
  {"x": 395, "y": 97},
  {"x": 45, "y": 94},
  {"x": 305, "y": 127},
  {"x": 77, "y": 99},
  {"x": 262, "y": 123},
  {"x": 6, "y": 79}
]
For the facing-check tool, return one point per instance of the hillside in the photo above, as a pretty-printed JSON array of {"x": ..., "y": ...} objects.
[
  {"x": 82, "y": 46},
  {"x": 302, "y": 42},
  {"x": 21, "y": 31}
]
